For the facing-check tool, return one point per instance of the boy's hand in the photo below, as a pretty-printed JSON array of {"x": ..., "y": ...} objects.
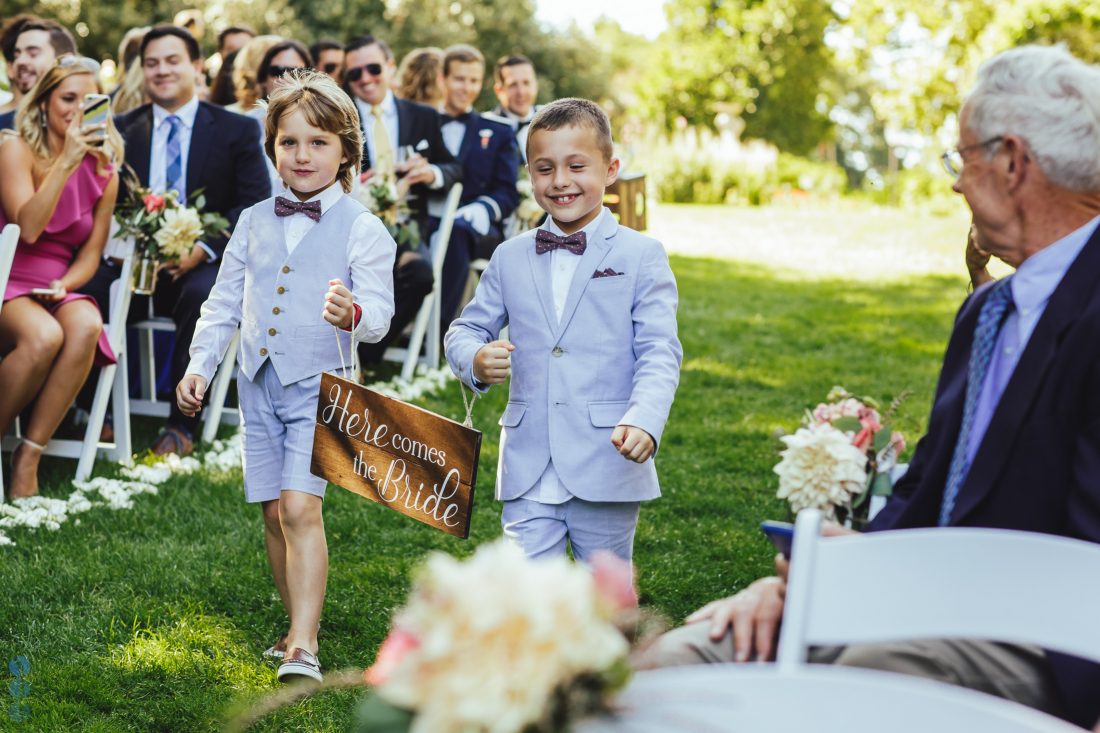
[
  {"x": 189, "y": 394},
  {"x": 338, "y": 308},
  {"x": 493, "y": 362},
  {"x": 634, "y": 444}
]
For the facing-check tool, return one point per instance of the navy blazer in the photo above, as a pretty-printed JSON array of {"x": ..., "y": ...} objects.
[
  {"x": 226, "y": 160},
  {"x": 490, "y": 164},
  {"x": 1038, "y": 466}
]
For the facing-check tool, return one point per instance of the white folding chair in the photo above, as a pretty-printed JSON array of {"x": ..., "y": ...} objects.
[
  {"x": 111, "y": 386},
  {"x": 426, "y": 327},
  {"x": 733, "y": 698},
  {"x": 935, "y": 583},
  {"x": 9, "y": 240}
]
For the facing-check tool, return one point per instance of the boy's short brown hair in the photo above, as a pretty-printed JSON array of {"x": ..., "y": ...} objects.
[
  {"x": 461, "y": 53},
  {"x": 574, "y": 112},
  {"x": 325, "y": 106}
]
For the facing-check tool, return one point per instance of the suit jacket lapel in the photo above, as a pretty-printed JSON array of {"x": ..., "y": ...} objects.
[
  {"x": 599, "y": 244},
  {"x": 139, "y": 144},
  {"x": 540, "y": 273},
  {"x": 472, "y": 124},
  {"x": 1066, "y": 303},
  {"x": 201, "y": 135},
  {"x": 404, "y": 124}
]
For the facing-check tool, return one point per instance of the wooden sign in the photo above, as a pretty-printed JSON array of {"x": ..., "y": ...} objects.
[{"x": 399, "y": 455}]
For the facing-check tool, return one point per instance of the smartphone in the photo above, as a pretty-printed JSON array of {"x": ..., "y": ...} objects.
[
  {"x": 44, "y": 291},
  {"x": 781, "y": 535},
  {"x": 97, "y": 108}
]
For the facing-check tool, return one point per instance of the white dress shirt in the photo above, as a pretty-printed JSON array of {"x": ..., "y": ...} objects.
[
  {"x": 550, "y": 489},
  {"x": 158, "y": 158},
  {"x": 453, "y": 133}
]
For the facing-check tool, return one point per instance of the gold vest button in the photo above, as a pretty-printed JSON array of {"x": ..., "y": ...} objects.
[
  {"x": 280, "y": 290},
  {"x": 275, "y": 310},
  {"x": 286, "y": 269},
  {"x": 271, "y": 332},
  {"x": 263, "y": 352}
]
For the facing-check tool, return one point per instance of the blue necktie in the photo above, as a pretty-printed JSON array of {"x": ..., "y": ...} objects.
[
  {"x": 994, "y": 311},
  {"x": 173, "y": 177}
]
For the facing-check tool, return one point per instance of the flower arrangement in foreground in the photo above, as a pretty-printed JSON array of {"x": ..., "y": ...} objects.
[
  {"x": 528, "y": 211},
  {"x": 387, "y": 198},
  {"x": 498, "y": 643},
  {"x": 840, "y": 457}
]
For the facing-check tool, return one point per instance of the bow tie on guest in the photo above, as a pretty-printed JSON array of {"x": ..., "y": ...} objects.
[
  {"x": 463, "y": 118},
  {"x": 546, "y": 241},
  {"x": 286, "y": 207}
]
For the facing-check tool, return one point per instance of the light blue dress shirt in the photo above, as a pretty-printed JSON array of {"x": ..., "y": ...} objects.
[{"x": 1032, "y": 286}]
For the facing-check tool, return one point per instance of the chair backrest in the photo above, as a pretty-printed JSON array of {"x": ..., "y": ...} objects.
[
  {"x": 950, "y": 582},
  {"x": 9, "y": 240},
  {"x": 725, "y": 698},
  {"x": 446, "y": 223}
]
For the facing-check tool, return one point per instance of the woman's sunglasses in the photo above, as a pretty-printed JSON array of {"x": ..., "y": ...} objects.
[
  {"x": 357, "y": 73},
  {"x": 82, "y": 61}
]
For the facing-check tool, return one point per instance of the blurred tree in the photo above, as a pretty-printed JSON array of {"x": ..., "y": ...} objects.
[{"x": 765, "y": 61}]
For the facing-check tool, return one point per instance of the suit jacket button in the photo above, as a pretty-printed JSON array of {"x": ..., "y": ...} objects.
[
  {"x": 558, "y": 351},
  {"x": 271, "y": 332},
  {"x": 286, "y": 269},
  {"x": 275, "y": 310},
  {"x": 280, "y": 290},
  {"x": 263, "y": 352}
]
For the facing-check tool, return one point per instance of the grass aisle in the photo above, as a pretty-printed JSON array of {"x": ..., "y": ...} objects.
[{"x": 154, "y": 619}]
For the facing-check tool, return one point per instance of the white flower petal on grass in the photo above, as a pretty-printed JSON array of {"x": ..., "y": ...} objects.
[{"x": 820, "y": 469}]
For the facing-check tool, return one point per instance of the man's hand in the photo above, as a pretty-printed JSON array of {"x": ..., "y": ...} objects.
[
  {"x": 493, "y": 362},
  {"x": 189, "y": 394},
  {"x": 417, "y": 170},
  {"x": 339, "y": 310},
  {"x": 188, "y": 262},
  {"x": 633, "y": 444},
  {"x": 754, "y": 616}
]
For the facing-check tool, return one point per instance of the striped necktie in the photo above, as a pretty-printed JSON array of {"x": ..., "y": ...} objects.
[
  {"x": 994, "y": 311},
  {"x": 173, "y": 157}
]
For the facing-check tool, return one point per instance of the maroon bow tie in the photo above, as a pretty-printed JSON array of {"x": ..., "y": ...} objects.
[
  {"x": 546, "y": 241},
  {"x": 286, "y": 207}
]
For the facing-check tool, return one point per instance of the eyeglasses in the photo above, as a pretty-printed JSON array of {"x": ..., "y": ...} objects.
[
  {"x": 330, "y": 68},
  {"x": 357, "y": 73},
  {"x": 83, "y": 61},
  {"x": 953, "y": 159},
  {"x": 274, "y": 72}
]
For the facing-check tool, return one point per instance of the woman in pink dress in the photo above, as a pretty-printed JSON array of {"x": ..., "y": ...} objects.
[{"x": 59, "y": 186}]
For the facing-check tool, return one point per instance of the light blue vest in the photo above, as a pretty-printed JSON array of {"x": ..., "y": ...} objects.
[{"x": 284, "y": 294}]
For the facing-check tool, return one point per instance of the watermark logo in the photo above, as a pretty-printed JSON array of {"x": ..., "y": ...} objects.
[{"x": 20, "y": 689}]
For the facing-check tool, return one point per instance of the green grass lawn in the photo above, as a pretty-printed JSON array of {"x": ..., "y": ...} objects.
[{"x": 154, "y": 619}]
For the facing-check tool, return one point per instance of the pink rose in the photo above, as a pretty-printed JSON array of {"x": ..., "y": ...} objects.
[
  {"x": 614, "y": 580},
  {"x": 864, "y": 439},
  {"x": 153, "y": 202},
  {"x": 393, "y": 650}
]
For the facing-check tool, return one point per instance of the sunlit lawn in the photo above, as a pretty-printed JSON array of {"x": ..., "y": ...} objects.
[{"x": 154, "y": 619}]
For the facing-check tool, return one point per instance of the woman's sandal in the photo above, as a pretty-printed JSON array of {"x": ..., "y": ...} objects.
[
  {"x": 173, "y": 440},
  {"x": 299, "y": 664},
  {"x": 16, "y": 456}
]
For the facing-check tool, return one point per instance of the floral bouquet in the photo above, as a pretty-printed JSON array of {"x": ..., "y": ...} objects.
[
  {"x": 528, "y": 212},
  {"x": 386, "y": 198},
  {"x": 163, "y": 228},
  {"x": 499, "y": 644},
  {"x": 840, "y": 457}
]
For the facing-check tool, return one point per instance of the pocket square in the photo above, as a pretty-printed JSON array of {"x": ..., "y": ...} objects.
[{"x": 606, "y": 273}]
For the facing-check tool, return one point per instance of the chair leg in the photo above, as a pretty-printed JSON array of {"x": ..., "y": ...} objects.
[
  {"x": 219, "y": 389},
  {"x": 416, "y": 338},
  {"x": 95, "y": 423},
  {"x": 120, "y": 392}
]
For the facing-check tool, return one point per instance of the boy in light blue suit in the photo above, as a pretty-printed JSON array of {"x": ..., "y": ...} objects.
[{"x": 591, "y": 312}]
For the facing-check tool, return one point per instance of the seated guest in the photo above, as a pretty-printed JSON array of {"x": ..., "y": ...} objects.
[
  {"x": 37, "y": 46},
  {"x": 328, "y": 57},
  {"x": 221, "y": 89},
  {"x": 8, "y": 33},
  {"x": 391, "y": 127},
  {"x": 420, "y": 77},
  {"x": 487, "y": 151},
  {"x": 246, "y": 69},
  {"x": 284, "y": 56},
  {"x": 130, "y": 92},
  {"x": 60, "y": 184},
  {"x": 230, "y": 40},
  {"x": 179, "y": 143},
  {"x": 1013, "y": 439},
  {"x": 517, "y": 87}
]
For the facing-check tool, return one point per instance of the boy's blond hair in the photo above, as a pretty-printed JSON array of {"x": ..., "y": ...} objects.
[
  {"x": 574, "y": 112},
  {"x": 325, "y": 106}
]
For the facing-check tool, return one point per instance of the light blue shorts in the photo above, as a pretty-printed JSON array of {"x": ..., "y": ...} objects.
[{"x": 277, "y": 435}]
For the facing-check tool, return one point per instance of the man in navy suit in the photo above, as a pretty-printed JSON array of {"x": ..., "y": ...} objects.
[
  {"x": 1019, "y": 448},
  {"x": 403, "y": 137},
  {"x": 516, "y": 86},
  {"x": 487, "y": 151},
  {"x": 177, "y": 142}
]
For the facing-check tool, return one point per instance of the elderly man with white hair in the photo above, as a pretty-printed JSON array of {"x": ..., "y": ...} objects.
[{"x": 1014, "y": 434}]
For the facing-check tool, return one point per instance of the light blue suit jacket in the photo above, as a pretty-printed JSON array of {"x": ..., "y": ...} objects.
[{"x": 613, "y": 359}]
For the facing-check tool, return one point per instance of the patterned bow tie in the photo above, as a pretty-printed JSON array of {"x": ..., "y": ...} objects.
[
  {"x": 286, "y": 207},
  {"x": 546, "y": 241}
]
